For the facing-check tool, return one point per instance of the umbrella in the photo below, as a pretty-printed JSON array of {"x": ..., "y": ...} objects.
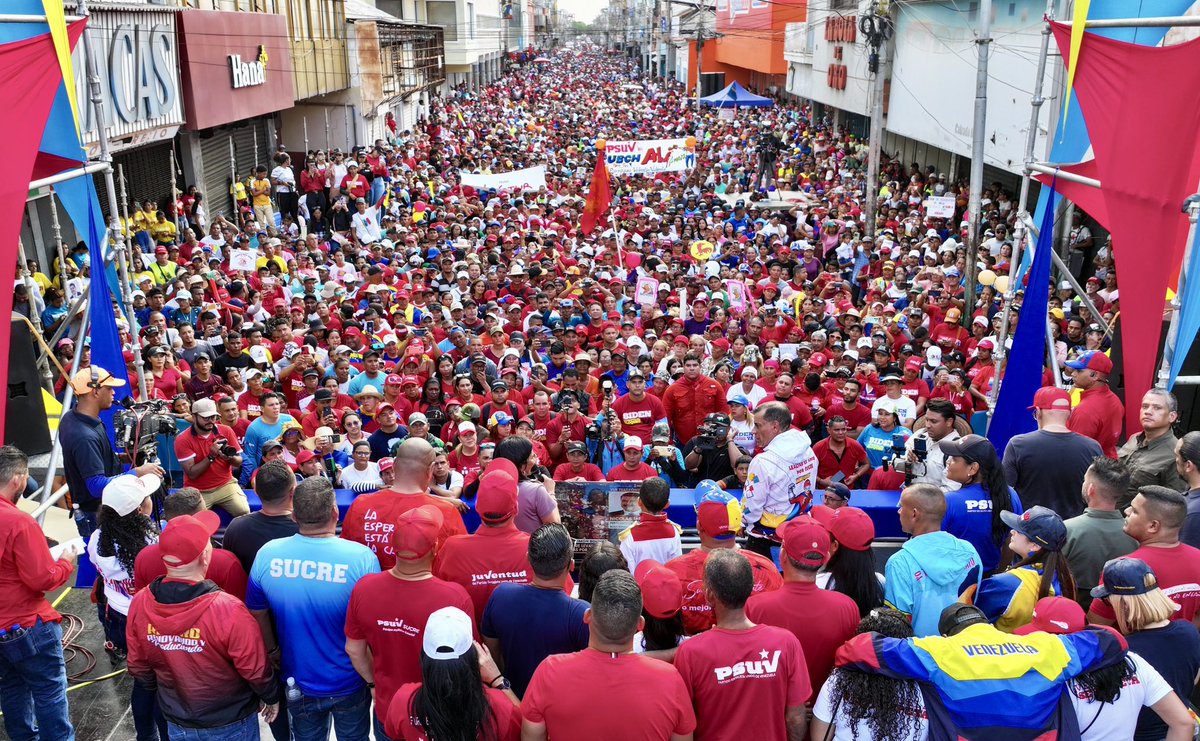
[{"x": 542, "y": 60}]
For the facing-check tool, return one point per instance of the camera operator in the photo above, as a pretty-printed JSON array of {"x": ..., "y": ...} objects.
[
  {"x": 570, "y": 425},
  {"x": 781, "y": 478},
  {"x": 89, "y": 462},
  {"x": 930, "y": 468},
  {"x": 711, "y": 453},
  {"x": 209, "y": 453}
]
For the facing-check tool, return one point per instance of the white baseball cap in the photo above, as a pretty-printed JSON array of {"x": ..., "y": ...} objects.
[
  {"x": 447, "y": 634},
  {"x": 125, "y": 493},
  {"x": 633, "y": 441}
]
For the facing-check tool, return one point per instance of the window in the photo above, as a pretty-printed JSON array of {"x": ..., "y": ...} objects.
[
  {"x": 442, "y": 13},
  {"x": 471, "y": 20}
]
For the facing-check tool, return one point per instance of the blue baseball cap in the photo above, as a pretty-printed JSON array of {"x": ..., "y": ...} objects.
[
  {"x": 1041, "y": 525},
  {"x": 1125, "y": 576}
]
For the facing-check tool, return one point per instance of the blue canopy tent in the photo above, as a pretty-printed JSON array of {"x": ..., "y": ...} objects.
[{"x": 736, "y": 96}]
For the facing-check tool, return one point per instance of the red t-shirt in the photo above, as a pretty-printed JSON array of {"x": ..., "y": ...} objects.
[
  {"x": 481, "y": 562},
  {"x": 400, "y": 722},
  {"x": 697, "y": 613},
  {"x": 371, "y": 520},
  {"x": 251, "y": 405},
  {"x": 641, "y": 473},
  {"x": 821, "y": 618},
  {"x": 390, "y": 615},
  {"x": 540, "y": 425},
  {"x": 555, "y": 429},
  {"x": 858, "y": 417},
  {"x": 189, "y": 447},
  {"x": 915, "y": 390},
  {"x": 829, "y": 463},
  {"x": 742, "y": 681},
  {"x": 1178, "y": 572},
  {"x": 225, "y": 570},
  {"x": 467, "y": 465},
  {"x": 801, "y": 412},
  {"x": 1099, "y": 415},
  {"x": 638, "y": 417},
  {"x": 963, "y": 402},
  {"x": 592, "y": 695},
  {"x": 591, "y": 472}
]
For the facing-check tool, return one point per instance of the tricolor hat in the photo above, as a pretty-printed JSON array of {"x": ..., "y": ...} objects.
[{"x": 718, "y": 513}]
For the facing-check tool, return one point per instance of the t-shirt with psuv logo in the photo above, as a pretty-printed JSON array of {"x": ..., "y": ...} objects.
[
  {"x": 742, "y": 681},
  {"x": 306, "y": 584},
  {"x": 390, "y": 613},
  {"x": 969, "y": 517}
]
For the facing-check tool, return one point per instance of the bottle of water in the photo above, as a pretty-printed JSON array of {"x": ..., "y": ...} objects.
[{"x": 293, "y": 692}]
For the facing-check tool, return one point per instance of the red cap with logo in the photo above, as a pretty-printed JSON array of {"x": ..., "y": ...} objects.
[
  {"x": 806, "y": 540},
  {"x": 416, "y": 532},
  {"x": 1055, "y": 615}
]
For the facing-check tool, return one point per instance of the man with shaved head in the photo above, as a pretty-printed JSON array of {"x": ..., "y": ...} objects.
[{"x": 371, "y": 518}]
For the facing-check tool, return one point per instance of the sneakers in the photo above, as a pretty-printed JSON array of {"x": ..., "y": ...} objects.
[{"x": 115, "y": 655}]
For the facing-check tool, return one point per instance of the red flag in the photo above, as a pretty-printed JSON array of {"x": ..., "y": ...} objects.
[{"x": 599, "y": 197}]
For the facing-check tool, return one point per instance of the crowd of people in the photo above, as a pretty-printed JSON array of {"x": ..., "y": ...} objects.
[{"x": 436, "y": 348}]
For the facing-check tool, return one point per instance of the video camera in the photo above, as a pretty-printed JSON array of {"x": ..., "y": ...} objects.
[
  {"x": 899, "y": 461},
  {"x": 713, "y": 431},
  {"x": 137, "y": 426}
]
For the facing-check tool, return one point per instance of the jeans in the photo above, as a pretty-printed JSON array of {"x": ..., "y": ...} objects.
[
  {"x": 764, "y": 547},
  {"x": 245, "y": 729},
  {"x": 380, "y": 734},
  {"x": 33, "y": 686},
  {"x": 148, "y": 720},
  {"x": 311, "y": 717},
  {"x": 378, "y": 186}
]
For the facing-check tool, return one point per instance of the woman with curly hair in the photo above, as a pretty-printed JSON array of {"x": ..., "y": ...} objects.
[
  {"x": 125, "y": 529},
  {"x": 855, "y": 706}
]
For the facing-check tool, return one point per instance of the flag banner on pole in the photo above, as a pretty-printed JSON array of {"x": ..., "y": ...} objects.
[
  {"x": 599, "y": 198},
  {"x": 1026, "y": 359},
  {"x": 1189, "y": 316},
  {"x": 1117, "y": 84},
  {"x": 32, "y": 93},
  {"x": 649, "y": 157}
]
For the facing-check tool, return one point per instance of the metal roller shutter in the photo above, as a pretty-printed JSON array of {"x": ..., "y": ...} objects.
[
  {"x": 147, "y": 177},
  {"x": 214, "y": 153}
]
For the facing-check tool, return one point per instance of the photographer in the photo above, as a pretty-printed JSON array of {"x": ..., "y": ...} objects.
[
  {"x": 569, "y": 425},
  {"x": 89, "y": 462},
  {"x": 711, "y": 453},
  {"x": 209, "y": 453},
  {"x": 930, "y": 467},
  {"x": 664, "y": 457}
]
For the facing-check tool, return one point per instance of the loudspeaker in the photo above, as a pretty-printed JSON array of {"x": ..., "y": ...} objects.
[{"x": 25, "y": 424}]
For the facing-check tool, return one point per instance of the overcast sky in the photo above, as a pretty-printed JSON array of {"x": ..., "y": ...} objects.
[{"x": 584, "y": 10}]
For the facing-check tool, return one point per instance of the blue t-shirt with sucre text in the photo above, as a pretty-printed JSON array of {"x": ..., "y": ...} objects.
[{"x": 306, "y": 583}]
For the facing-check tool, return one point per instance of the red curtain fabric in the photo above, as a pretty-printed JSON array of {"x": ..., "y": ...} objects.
[
  {"x": 1085, "y": 197},
  {"x": 1141, "y": 109},
  {"x": 32, "y": 93}
]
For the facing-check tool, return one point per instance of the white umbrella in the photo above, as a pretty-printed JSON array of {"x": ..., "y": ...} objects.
[{"x": 543, "y": 60}]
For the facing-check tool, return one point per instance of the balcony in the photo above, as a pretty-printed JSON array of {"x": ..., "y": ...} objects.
[{"x": 798, "y": 42}]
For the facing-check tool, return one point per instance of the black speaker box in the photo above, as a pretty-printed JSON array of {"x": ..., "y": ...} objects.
[{"x": 25, "y": 424}]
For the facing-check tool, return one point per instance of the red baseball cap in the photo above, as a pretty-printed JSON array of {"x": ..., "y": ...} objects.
[
  {"x": 386, "y": 464},
  {"x": 1052, "y": 398},
  {"x": 186, "y": 536},
  {"x": 818, "y": 360},
  {"x": 409, "y": 381},
  {"x": 497, "y": 499},
  {"x": 662, "y": 591},
  {"x": 852, "y": 528},
  {"x": 1055, "y": 615},
  {"x": 393, "y": 380},
  {"x": 416, "y": 532},
  {"x": 806, "y": 540},
  {"x": 914, "y": 363},
  {"x": 721, "y": 342}
]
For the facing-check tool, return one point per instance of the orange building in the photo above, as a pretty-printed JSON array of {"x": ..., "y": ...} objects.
[{"x": 750, "y": 49}]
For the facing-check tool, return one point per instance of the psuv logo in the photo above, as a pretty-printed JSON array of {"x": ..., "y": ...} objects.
[
  {"x": 766, "y": 666},
  {"x": 979, "y": 505}
]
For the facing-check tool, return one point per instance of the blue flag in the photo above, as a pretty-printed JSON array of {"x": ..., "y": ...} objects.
[
  {"x": 1189, "y": 313},
  {"x": 1026, "y": 359}
]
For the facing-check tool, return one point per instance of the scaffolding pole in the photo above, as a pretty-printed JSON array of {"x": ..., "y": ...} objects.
[{"x": 1192, "y": 209}]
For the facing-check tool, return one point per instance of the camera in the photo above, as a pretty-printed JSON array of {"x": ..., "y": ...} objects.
[
  {"x": 137, "y": 426},
  {"x": 607, "y": 387},
  {"x": 228, "y": 450},
  {"x": 899, "y": 461},
  {"x": 712, "y": 432}
]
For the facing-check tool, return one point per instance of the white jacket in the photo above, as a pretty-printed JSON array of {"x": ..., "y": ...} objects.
[{"x": 781, "y": 480}]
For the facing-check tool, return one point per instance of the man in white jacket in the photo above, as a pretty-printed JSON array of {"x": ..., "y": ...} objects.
[{"x": 781, "y": 479}]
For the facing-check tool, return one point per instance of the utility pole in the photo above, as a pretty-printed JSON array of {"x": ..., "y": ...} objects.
[
  {"x": 978, "y": 134},
  {"x": 699, "y": 64},
  {"x": 877, "y": 29}
]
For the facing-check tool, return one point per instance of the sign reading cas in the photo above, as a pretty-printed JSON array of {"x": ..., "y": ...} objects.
[{"x": 649, "y": 157}]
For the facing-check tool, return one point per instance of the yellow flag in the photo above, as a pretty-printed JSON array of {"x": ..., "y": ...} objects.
[
  {"x": 56, "y": 18},
  {"x": 1077, "y": 30}
]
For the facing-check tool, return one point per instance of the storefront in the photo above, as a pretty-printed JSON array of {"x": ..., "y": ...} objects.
[
  {"x": 236, "y": 73},
  {"x": 135, "y": 54}
]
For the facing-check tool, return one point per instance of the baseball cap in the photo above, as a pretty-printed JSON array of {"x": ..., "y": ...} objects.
[
  {"x": 304, "y": 456},
  {"x": 204, "y": 408},
  {"x": 974, "y": 448},
  {"x": 576, "y": 446},
  {"x": 959, "y": 615},
  {"x": 1125, "y": 576},
  {"x": 125, "y": 493},
  {"x": 741, "y": 399},
  {"x": 1052, "y": 397},
  {"x": 386, "y": 464},
  {"x": 186, "y": 537},
  {"x": 662, "y": 591},
  {"x": 1055, "y": 615},
  {"x": 447, "y": 634},
  {"x": 416, "y": 532},
  {"x": 1092, "y": 360},
  {"x": 806, "y": 540},
  {"x": 323, "y": 394},
  {"x": 417, "y": 418},
  {"x": 818, "y": 360},
  {"x": 466, "y": 426},
  {"x": 852, "y": 528},
  {"x": 393, "y": 379},
  {"x": 82, "y": 380},
  {"x": 497, "y": 499},
  {"x": 632, "y": 441},
  {"x": 1041, "y": 525},
  {"x": 718, "y": 513},
  {"x": 986, "y": 345}
]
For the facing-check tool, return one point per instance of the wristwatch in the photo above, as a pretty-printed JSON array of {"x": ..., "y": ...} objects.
[{"x": 504, "y": 683}]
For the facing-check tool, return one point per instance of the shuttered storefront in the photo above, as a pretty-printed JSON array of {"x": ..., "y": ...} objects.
[
  {"x": 218, "y": 167},
  {"x": 147, "y": 177}
]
